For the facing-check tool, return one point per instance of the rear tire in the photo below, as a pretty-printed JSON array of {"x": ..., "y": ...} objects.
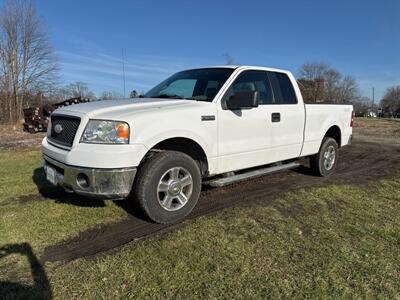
[
  {"x": 324, "y": 162},
  {"x": 168, "y": 186}
]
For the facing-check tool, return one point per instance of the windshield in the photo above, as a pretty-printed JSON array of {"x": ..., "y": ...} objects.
[{"x": 196, "y": 84}]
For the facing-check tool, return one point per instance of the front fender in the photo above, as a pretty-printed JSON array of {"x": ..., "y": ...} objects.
[{"x": 162, "y": 136}]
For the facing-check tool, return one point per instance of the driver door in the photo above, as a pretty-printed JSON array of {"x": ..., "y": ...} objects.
[{"x": 244, "y": 135}]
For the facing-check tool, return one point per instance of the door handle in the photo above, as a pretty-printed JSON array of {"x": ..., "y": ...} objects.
[{"x": 275, "y": 117}]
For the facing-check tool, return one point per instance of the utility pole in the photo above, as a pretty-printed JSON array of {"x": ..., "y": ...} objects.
[
  {"x": 123, "y": 69},
  {"x": 373, "y": 97}
]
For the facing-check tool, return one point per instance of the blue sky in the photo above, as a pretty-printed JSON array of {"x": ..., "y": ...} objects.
[{"x": 360, "y": 38}]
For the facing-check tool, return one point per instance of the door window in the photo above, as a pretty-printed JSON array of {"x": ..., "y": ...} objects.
[{"x": 252, "y": 81}]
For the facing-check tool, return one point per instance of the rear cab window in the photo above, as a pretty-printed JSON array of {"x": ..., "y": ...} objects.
[{"x": 282, "y": 88}]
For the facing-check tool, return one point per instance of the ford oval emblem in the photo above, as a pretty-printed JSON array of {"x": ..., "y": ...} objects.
[{"x": 58, "y": 128}]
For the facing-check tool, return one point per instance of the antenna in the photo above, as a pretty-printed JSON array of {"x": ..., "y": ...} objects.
[{"x": 123, "y": 69}]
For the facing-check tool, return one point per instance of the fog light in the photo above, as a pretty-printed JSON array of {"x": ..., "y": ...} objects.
[{"x": 82, "y": 180}]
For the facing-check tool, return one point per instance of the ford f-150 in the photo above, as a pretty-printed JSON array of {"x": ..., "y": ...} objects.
[{"x": 216, "y": 125}]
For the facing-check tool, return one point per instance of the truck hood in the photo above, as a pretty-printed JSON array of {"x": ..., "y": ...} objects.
[{"x": 122, "y": 107}]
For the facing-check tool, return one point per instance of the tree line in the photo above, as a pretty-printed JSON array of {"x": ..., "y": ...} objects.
[{"x": 320, "y": 83}]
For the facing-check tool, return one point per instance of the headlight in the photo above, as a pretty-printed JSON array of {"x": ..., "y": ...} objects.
[{"x": 106, "y": 132}]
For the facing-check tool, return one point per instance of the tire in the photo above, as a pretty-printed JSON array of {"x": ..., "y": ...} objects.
[
  {"x": 160, "y": 183},
  {"x": 324, "y": 162}
]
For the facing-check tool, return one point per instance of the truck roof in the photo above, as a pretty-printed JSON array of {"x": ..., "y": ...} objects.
[{"x": 245, "y": 67}]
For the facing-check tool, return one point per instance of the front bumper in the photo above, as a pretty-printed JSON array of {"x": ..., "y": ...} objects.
[{"x": 93, "y": 182}]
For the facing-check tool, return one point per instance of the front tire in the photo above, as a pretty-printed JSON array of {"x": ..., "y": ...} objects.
[
  {"x": 324, "y": 162},
  {"x": 168, "y": 186}
]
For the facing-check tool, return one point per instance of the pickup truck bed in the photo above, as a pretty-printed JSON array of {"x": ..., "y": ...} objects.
[{"x": 317, "y": 115}]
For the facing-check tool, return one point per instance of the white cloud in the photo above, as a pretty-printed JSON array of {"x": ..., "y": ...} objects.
[{"x": 103, "y": 71}]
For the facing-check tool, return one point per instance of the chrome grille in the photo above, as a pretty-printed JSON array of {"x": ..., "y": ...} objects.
[{"x": 63, "y": 129}]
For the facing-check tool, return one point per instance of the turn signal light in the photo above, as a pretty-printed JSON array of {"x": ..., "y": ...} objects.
[{"x": 123, "y": 131}]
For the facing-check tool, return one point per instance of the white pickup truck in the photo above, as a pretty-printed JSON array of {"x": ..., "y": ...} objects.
[{"x": 213, "y": 125}]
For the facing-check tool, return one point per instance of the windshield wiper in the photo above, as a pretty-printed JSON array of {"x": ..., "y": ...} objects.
[{"x": 170, "y": 96}]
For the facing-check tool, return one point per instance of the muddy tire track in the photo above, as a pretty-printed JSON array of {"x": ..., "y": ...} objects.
[{"x": 360, "y": 163}]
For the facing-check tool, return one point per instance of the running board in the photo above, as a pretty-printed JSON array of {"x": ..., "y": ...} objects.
[{"x": 251, "y": 174}]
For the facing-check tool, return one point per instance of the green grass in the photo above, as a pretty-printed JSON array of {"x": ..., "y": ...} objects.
[
  {"x": 16, "y": 173},
  {"x": 333, "y": 242},
  {"x": 338, "y": 241},
  {"x": 28, "y": 217}
]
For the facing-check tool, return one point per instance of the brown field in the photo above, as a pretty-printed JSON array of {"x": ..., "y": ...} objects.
[
  {"x": 13, "y": 137},
  {"x": 387, "y": 130}
]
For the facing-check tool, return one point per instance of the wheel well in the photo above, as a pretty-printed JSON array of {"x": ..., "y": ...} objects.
[
  {"x": 187, "y": 146},
  {"x": 334, "y": 132}
]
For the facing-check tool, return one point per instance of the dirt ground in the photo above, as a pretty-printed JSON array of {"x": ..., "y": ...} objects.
[
  {"x": 13, "y": 137},
  {"x": 375, "y": 154}
]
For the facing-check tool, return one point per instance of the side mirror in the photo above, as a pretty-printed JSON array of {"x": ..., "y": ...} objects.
[{"x": 243, "y": 99}]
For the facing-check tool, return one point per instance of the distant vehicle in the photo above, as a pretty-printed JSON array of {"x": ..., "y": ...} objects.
[{"x": 213, "y": 125}]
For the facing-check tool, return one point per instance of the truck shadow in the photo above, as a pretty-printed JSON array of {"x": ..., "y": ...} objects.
[
  {"x": 59, "y": 195},
  {"x": 41, "y": 288},
  {"x": 130, "y": 206},
  {"x": 305, "y": 170}
]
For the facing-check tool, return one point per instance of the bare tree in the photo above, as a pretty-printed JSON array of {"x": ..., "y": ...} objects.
[
  {"x": 313, "y": 71},
  {"x": 55, "y": 94},
  {"x": 331, "y": 80},
  {"x": 110, "y": 95},
  {"x": 347, "y": 90},
  {"x": 391, "y": 100},
  {"x": 321, "y": 83},
  {"x": 312, "y": 79},
  {"x": 27, "y": 60},
  {"x": 77, "y": 89}
]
